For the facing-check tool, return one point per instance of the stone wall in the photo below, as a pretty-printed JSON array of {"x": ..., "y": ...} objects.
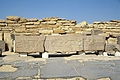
[{"x": 14, "y": 25}]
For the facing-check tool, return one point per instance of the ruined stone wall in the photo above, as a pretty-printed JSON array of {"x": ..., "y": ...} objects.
[{"x": 14, "y": 25}]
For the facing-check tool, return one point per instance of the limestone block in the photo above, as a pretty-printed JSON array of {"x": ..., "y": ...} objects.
[
  {"x": 22, "y": 20},
  {"x": 14, "y": 25},
  {"x": 68, "y": 24},
  {"x": 2, "y": 21},
  {"x": 49, "y": 22},
  {"x": 112, "y": 40},
  {"x": 13, "y": 18},
  {"x": 64, "y": 43},
  {"x": 26, "y": 34},
  {"x": 20, "y": 29},
  {"x": 2, "y": 45},
  {"x": 82, "y": 24},
  {"x": 96, "y": 31},
  {"x": 112, "y": 47},
  {"x": 1, "y": 36},
  {"x": 94, "y": 43},
  {"x": 3, "y": 24},
  {"x": 58, "y": 31},
  {"x": 32, "y": 26},
  {"x": 8, "y": 40},
  {"x": 29, "y": 44},
  {"x": 46, "y": 31},
  {"x": 118, "y": 40},
  {"x": 48, "y": 26},
  {"x": 104, "y": 34},
  {"x": 7, "y": 28},
  {"x": 32, "y": 20},
  {"x": 10, "y": 22},
  {"x": 32, "y": 23}
]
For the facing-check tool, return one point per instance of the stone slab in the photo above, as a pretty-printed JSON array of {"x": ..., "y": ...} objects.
[
  {"x": 29, "y": 44},
  {"x": 64, "y": 43},
  {"x": 2, "y": 45},
  {"x": 94, "y": 43}
]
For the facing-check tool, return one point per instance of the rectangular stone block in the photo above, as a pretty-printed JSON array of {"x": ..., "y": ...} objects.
[
  {"x": 94, "y": 43},
  {"x": 29, "y": 44},
  {"x": 9, "y": 41},
  {"x": 64, "y": 43},
  {"x": 2, "y": 45}
]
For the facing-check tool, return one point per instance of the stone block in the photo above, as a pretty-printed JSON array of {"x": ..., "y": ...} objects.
[
  {"x": 1, "y": 36},
  {"x": 46, "y": 31},
  {"x": 112, "y": 40},
  {"x": 3, "y": 24},
  {"x": 2, "y": 45},
  {"x": 32, "y": 26},
  {"x": 96, "y": 31},
  {"x": 58, "y": 31},
  {"x": 28, "y": 44},
  {"x": 2, "y": 21},
  {"x": 9, "y": 41},
  {"x": 94, "y": 43},
  {"x": 14, "y": 25},
  {"x": 118, "y": 40},
  {"x": 64, "y": 43},
  {"x": 48, "y": 26},
  {"x": 10, "y": 22},
  {"x": 20, "y": 29},
  {"x": 32, "y": 20},
  {"x": 13, "y": 18}
]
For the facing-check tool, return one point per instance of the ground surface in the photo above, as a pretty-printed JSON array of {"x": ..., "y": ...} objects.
[{"x": 76, "y": 67}]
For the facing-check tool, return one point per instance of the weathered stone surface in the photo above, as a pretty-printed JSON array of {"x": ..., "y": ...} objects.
[
  {"x": 10, "y": 22},
  {"x": 8, "y": 40},
  {"x": 118, "y": 40},
  {"x": 59, "y": 31},
  {"x": 13, "y": 18},
  {"x": 2, "y": 45},
  {"x": 20, "y": 29},
  {"x": 1, "y": 36},
  {"x": 48, "y": 26},
  {"x": 96, "y": 31},
  {"x": 3, "y": 24},
  {"x": 46, "y": 31},
  {"x": 111, "y": 48},
  {"x": 29, "y": 44},
  {"x": 22, "y": 20},
  {"x": 94, "y": 42},
  {"x": 32, "y": 20},
  {"x": 14, "y": 25},
  {"x": 64, "y": 43},
  {"x": 112, "y": 40},
  {"x": 2, "y": 21}
]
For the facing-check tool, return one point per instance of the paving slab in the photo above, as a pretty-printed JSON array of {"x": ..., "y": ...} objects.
[{"x": 55, "y": 68}]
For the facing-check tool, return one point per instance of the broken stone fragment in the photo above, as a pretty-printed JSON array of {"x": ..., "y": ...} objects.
[{"x": 13, "y": 18}]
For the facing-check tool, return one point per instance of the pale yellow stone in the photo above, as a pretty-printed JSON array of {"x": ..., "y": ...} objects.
[
  {"x": 45, "y": 31},
  {"x": 112, "y": 40},
  {"x": 7, "y": 68},
  {"x": 104, "y": 79}
]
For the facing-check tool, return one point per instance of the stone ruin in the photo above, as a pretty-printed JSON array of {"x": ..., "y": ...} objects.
[{"x": 16, "y": 31}]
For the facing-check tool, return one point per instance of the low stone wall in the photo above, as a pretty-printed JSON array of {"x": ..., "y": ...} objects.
[{"x": 59, "y": 43}]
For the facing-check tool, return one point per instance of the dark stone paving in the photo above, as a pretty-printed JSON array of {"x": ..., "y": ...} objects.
[
  {"x": 57, "y": 68},
  {"x": 61, "y": 68}
]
